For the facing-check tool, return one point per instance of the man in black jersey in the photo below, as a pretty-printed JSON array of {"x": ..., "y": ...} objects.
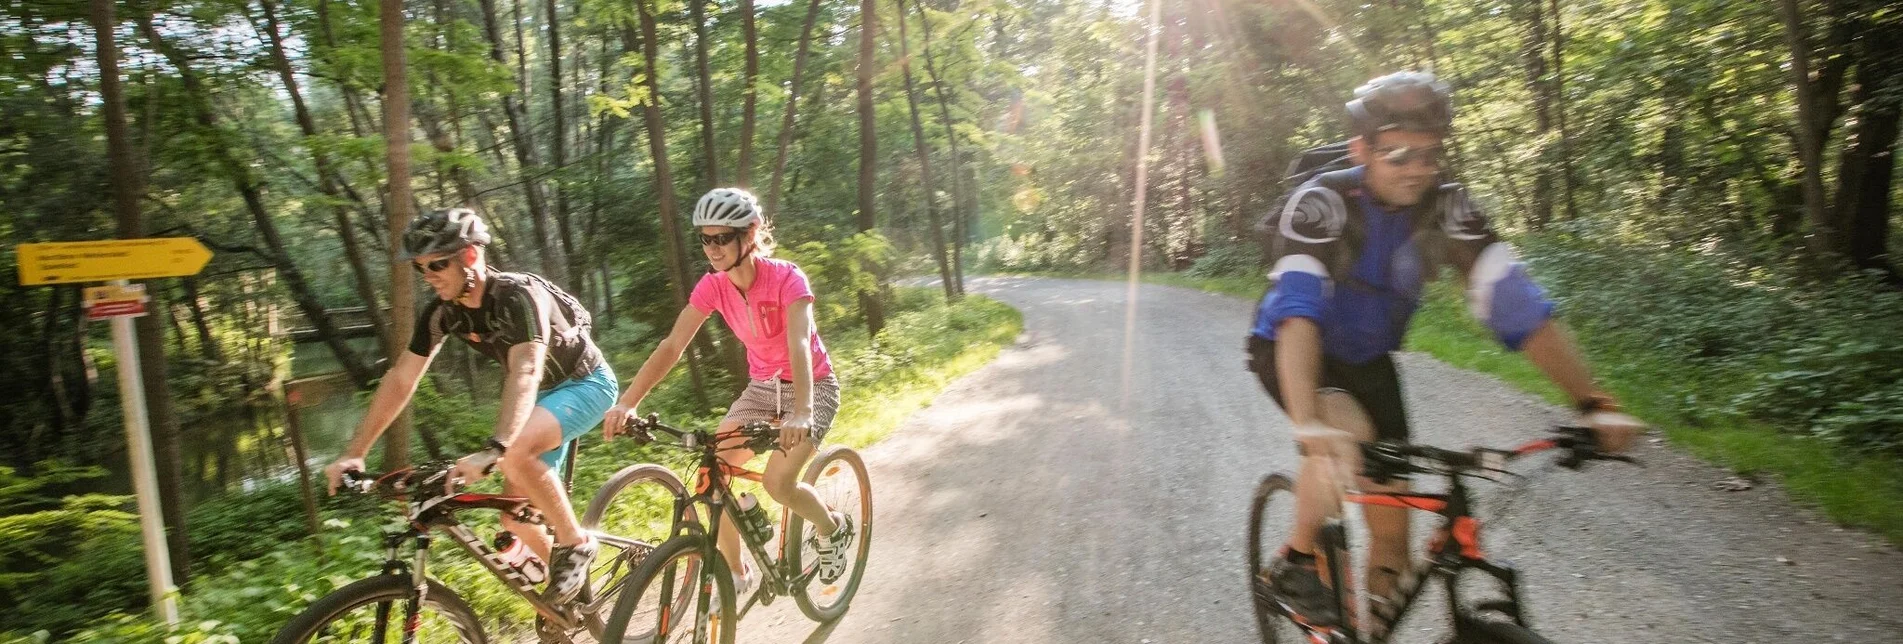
[{"x": 556, "y": 385}]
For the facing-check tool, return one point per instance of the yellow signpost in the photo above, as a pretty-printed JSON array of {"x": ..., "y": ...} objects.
[
  {"x": 116, "y": 261},
  {"x": 112, "y": 259}
]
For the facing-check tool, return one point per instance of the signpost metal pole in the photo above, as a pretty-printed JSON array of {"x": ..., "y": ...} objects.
[{"x": 145, "y": 482}]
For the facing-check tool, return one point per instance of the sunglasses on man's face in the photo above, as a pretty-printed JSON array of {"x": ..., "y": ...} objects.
[
  {"x": 721, "y": 239},
  {"x": 435, "y": 266},
  {"x": 1432, "y": 156}
]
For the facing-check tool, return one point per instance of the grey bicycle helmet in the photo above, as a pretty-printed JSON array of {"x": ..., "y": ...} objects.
[
  {"x": 442, "y": 231},
  {"x": 727, "y": 207},
  {"x": 1402, "y": 101}
]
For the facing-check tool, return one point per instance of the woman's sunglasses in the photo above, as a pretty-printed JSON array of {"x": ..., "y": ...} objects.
[
  {"x": 721, "y": 239},
  {"x": 433, "y": 267}
]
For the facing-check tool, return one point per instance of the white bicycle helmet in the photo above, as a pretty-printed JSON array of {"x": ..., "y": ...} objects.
[{"x": 727, "y": 207}]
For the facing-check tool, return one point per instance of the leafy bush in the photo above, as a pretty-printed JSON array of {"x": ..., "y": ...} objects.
[
  {"x": 1034, "y": 252},
  {"x": 1231, "y": 260},
  {"x": 1756, "y": 339}
]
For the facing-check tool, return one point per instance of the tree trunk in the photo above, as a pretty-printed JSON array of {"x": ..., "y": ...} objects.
[
  {"x": 676, "y": 259},
  {"x": 1869, "y": 157},
  {"x": 207, "y": 346},
  {"x": 528, "y": 160},
  {"x": 1559, "y": 111},
  {"x": 128, "y": 183},
  {"x": 249, "y": 190},
  {"x": 704, "y": 90},
  {"x": 396, "y": 137},
  {"x": 300, "y": 457},
  {"x": 560, "y": 146},
  {"x": 868, "y": 157},
  {"x": 1533, "y": 39},
  {"x": 792, "y": 100},
  {"x": 749, "y": 98},
  {"x": 326, "y": 182},
  {"x": 960, "y": 207},
  {"x": 924, "y": 154},
  {"x": 1809, "y": 144}
]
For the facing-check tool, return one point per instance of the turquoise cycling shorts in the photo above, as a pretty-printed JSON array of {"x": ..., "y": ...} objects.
[{"x": 578, "y": 404}]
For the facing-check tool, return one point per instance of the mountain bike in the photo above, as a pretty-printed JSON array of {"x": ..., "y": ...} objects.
[
  {"x": 403, "y": 603},
  {"x": 689, "y": 565},
  {"x": 1452, "y": 549}
]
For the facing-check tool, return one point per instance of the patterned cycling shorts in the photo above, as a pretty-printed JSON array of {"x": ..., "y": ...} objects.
[{"x": 769, "y": 400}]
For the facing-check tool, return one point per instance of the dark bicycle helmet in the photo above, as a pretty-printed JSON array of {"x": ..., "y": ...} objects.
[
  {"x": 442, "y": 231},
  {"x": 1402, "y": 101}
]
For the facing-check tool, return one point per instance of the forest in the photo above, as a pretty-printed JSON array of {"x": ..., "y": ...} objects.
[{"x": 1706, "y": 184}]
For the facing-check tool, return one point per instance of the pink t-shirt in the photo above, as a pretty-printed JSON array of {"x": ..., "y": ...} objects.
[{"x": 759, "y": 316}]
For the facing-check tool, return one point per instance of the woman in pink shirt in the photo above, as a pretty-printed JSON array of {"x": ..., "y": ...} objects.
[{"x": 769, "y": 305}]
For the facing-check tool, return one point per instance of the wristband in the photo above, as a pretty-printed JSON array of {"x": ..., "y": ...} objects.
[{"x": 497, "y": 445}]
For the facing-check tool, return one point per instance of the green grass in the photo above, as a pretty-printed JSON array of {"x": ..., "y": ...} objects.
[
  {"x": 1853, "y": 489},
  {"x": 920, "y": 352}
]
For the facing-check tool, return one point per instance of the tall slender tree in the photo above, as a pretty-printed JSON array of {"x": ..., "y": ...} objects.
[
  {"x": 396, "y": 151},
  {"x": 743, "y": 175},
  {"x": 671, "y": 229},
  {"x": 924, "y": 154},
  {"x": 792, "y": 101},
  {"x": 868, "y": 154},
  {"x": 128, "y": 185},
  {"x": 704, "y": 95}
]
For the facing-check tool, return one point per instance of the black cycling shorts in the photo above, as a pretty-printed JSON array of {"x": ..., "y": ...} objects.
[{"x": 1375, "y": 384}]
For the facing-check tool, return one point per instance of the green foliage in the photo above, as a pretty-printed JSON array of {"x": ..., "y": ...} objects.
[
  {"x": 1764, "y": 341},
  {"x": 1230, "y": 260},
  {"x": 1035, "y": 252},
  {"x": 846, "y": 268}
]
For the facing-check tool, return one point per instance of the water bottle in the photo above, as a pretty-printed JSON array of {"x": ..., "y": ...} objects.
[
  {"x": 519, "y": 557},
  {"x": 753, "y": 519}
]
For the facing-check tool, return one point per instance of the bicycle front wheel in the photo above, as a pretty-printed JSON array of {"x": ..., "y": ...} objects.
[
  {"x": 1478, "y": 631},
  {"x": 1271, "y": 522},
  {"x": 684, "y": 567},
  {"x": 839, "y": 476},
  {"x": 631, "y": 514},
  {"x": 372, "y": 610}
]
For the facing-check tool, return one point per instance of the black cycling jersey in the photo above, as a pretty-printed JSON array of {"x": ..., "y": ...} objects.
[{"x": 516, "y": 308}]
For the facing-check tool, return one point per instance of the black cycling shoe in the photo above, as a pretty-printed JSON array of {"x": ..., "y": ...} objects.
[
  {"x": 568, "y": 570},
  {"x": 1296, "y": 584}
]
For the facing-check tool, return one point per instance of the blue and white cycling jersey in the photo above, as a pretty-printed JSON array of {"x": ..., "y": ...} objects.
[{"x": 1357, "y": 268}]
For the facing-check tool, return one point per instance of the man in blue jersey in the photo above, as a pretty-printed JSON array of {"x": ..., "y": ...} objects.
[{"x": 1352, "y": 249}]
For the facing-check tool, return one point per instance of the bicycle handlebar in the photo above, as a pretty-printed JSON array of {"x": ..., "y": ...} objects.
[
  {"x": 759, "y": 435},
  {"x": 1383, "y": 459}
]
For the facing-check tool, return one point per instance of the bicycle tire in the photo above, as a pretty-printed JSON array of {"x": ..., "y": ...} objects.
[
  {"x": 848, "y": 489},
  {"x": 307, "y": 625},
  {"x": 1481, "y": 631},
  {"x": 1271, "y": 518},
  {"x": 687, "y": 557},
  {"x": 633, "y": 504}
]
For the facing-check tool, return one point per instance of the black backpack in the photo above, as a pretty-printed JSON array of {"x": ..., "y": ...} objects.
[
  {"x": 1314, "y": 161},
  {"x": 1320, "y": 160}
]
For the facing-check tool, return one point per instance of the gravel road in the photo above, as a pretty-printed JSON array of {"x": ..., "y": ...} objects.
[{"x": 1038, "y": 501}]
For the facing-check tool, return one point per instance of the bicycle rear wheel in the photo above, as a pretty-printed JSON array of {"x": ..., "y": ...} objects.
[
  {"x": 1271, "y": 522},
  {"x": 684, "y": 567},
  {"x": 372, "y": 610},
  {"x": 839, "y": 476},
  {"x": 631, "y": 514}
]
